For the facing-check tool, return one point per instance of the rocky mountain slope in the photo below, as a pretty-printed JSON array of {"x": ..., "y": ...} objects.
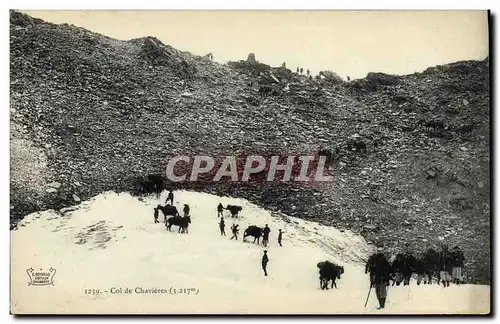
[{"x": 90, "y": 113}]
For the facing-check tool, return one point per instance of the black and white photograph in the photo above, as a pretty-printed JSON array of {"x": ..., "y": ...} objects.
[{"x": 250, "y": 162}]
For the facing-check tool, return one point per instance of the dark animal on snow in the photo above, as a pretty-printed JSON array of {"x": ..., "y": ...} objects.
[
  {"x": 152, "y": 184},
  {"x": 168, "y": 210},
  {"x": 420, "y": 270},
  {"x": 234, "y": 210},
  {"x": 397, "y": 269},
  {"x": 403, "y": 266},
  {"x": 329, "y": 271},
  {"x": 430, "y": 260},
  {"x": 410, "y": 266},
  {"x": 182, "y": 222},
  {"x": 254, "y": 231}
]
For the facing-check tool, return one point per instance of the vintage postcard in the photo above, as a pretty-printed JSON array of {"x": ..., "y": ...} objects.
[{"x": 250, "y": 162}]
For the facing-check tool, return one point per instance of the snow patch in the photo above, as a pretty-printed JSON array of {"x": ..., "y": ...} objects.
[{"x": 111, "y": 241}]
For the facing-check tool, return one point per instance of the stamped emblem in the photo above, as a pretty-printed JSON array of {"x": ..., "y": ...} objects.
[{"x": 40, "y": 277}]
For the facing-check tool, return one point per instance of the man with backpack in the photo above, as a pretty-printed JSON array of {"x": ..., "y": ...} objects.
[
  {"x": 380, "y": 272},
  {"x": 235, "y": 231}
]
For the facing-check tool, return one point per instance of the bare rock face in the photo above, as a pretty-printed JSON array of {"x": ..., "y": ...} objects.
[
  {"x": 29, "y": 171},
  {"x": 382, "y": 78},
  {"x": 153, "y": 51}
]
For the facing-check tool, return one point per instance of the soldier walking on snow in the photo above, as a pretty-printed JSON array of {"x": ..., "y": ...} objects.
[
  {"x": 380, "y": 272},
  {"x": 280, "y": 235},
  {"x": 170, "y": 197},
  {"x": 265, "y": 260},
  {"x": 397, "y": 268},
  {"x": 220, "y": 210},
  {"x": 420, "y": 270},
  {"x": 156, "y": 215},
  {"x": 235, "y": 231},
  {"x": 265, "y": 235},
  {"x": 222, "y": 225},
  {"x": 186, "y": 210},
  {"x": 445, "y": 266},
  {"x": 409, "y": 267},
  {"x": 457, "y": 264}
]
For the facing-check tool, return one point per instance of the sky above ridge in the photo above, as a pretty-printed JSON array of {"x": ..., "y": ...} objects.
[{"x": 351, "y": 43}]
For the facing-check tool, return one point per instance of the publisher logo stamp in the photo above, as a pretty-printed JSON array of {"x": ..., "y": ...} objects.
[{"x": 39, "y": 277}]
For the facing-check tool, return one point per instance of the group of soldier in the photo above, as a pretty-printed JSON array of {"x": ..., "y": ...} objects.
[
  {"x": 235, "y": 231},
  {"x": 265, "y": 238},
  {"x": 170, "y": 210},
  {"x": 170, "y": 198},
  {"x": 308, "y": 72},
  {"x": 301, "y": 71},
  {"x": 446, "y": 265}
]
